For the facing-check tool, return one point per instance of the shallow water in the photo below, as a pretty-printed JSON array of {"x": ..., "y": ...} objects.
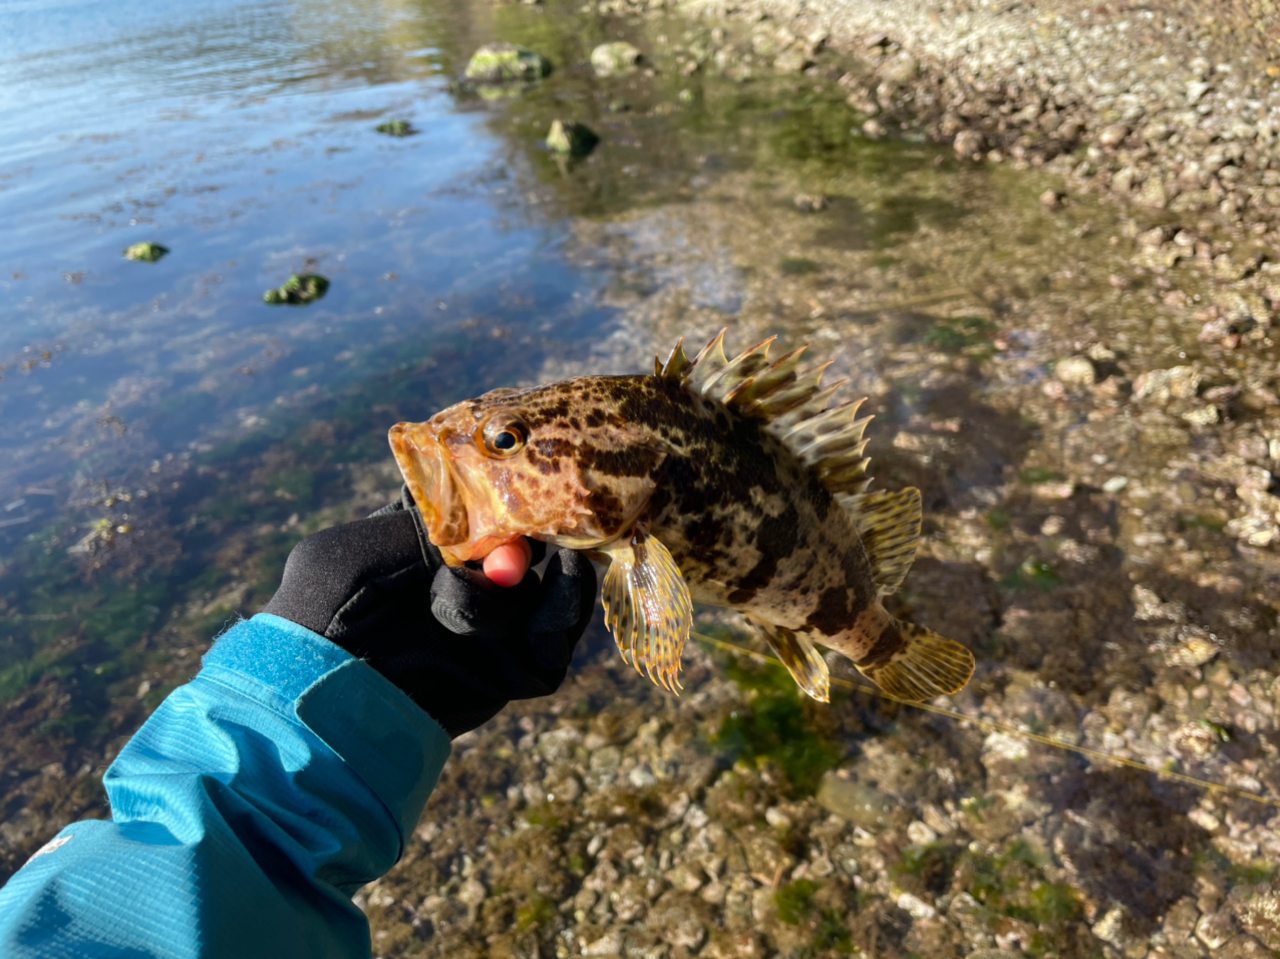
[{"x": 165, "y": 438}]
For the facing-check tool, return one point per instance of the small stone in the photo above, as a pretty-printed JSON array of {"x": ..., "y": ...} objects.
[
  {"x": 1202, "y": 416},
  {"x": 920, "y": 833},
  {"x": 1112, "y": 136},
  {"x": 571, "y": 139},
  {"x": 1052, "y": 199},
  {"x": 615, "y": 59},
  {"x": 916, "y": 907},
  {"x": 810, "y": 202},
  {"x": 874, "y": 129},
  {"x": 145, "y": 252},
  {"x": 777, "y": 818},
  {"x": 860, "y": 804},
  {"x": 503, "y": 62},
  {"x": 1215, "y": 929},
  {"x": 1196, "y": 89},
  {"x": 1195, "y": 649},
  {"x": 1075, "y": 371},
  {"x": 793, "y": 60},
  {"x": 610, "y": 944},
  {"x": 968, "y": 143},
  {"x": 1260, "y": 916},
  {"x": 1115, "y": 484}
]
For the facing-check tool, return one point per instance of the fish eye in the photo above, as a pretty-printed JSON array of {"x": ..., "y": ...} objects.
[{"x": 504, "y": 436}]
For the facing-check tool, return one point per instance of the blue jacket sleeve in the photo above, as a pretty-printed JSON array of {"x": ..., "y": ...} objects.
[{"x": 244, "y": 814}]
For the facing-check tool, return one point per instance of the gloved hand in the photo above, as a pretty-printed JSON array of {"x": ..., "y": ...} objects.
[{"x": 458, "y": 645}]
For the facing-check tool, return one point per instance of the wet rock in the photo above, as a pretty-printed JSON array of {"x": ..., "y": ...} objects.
[
  {"x": 1075, "y": 371},
  {"x": 1259, "y": 914},
  {"x": 505, "y": 62},
  {"x": 874, "y": 129},
  {"x": 571, "y": 139},
  {"x": 793, "y": 60},
  {"x": 396, "y": 128},
  {"x": 610, "y": 944},
  {"x": 1112, "y": 136},
  {"x": 1052, "y": 199},
  {"x": 1116, "y": 928},
  {"x": 862, "y": 805},
  {"x": 298, "y": 290},
  {"x": 1216, "y": 929},
  {"x": 1161, "y": 386},
  {"x": 615, "y": 59},
  {"x": 968, "y": 143},
  {"x": 145, "y": 252},
  {"x": 810, "y": 202}
]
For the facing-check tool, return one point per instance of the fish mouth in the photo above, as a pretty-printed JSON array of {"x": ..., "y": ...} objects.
[{"x": 425, "y": 466}]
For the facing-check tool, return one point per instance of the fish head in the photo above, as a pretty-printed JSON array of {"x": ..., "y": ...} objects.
[{"x": 555, "y": 463}]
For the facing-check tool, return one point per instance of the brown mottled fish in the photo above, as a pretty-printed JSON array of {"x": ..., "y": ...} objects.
[{"x": 731, "y": 482}]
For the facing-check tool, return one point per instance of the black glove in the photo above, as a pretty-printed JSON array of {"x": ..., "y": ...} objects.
[{"x": 365, "y": 586}]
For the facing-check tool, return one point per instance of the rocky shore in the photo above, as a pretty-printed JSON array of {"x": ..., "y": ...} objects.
[{"x": 1095, "y": 423}]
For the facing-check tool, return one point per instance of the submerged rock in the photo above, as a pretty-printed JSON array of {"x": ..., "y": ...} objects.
[
  {"x": 504, "y": 62},
  {"x": 396, "y": 128},
  {"x": 571, "y": 139},
  {"x": 145, "y": 252},
  {"x": 614, "y": 59},
  {"x": 297, "y": 290}
]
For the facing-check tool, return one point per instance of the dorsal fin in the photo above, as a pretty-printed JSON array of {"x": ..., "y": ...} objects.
[
  {"x": 889, "y": 526},
  {"x": 795, "y": 406}
]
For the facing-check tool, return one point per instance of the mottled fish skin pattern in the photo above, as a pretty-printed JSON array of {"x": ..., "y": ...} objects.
[{"x": 748, "y": 523}]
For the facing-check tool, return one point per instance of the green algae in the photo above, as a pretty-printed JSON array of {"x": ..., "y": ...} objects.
[
  {"x": 796, "y": 906},
  {"x": 778, "y": 724}
]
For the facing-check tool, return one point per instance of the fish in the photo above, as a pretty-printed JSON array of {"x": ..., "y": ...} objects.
[{"x": 735, "y": 482}]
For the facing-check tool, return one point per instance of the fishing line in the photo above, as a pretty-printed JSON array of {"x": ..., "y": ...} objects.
[{"x": 994, "y": 726}]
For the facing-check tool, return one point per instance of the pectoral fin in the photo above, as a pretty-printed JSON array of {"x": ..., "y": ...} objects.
[
  {"x": 802, "y": 659},
  {"x": 647, "y": 607}
]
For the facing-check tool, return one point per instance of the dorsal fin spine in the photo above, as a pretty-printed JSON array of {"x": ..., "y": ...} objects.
[{"x": 794, "y": 405}]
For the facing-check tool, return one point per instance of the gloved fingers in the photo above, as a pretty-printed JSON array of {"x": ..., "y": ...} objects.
[
  {"x": 566, "y": 601},
  {"x": 325, "y": 570},
  {"x": 465, "y": 602},
  {"x": 539, "y": 551}
]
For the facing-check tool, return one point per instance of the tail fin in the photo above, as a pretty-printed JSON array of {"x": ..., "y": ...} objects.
[{"x": 924, "y": 666}]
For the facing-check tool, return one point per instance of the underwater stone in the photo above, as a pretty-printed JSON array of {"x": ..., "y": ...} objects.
[
  {"x": 502, "y": 62},
  {"x": 571, "y": 139},
  {"x": 614, "y": 59},
  {"x": 297, "y": 290},
  {"x": 1075, "y": 371},
  {"x": 145, "y": 252},
  {"x": 396, "y": 128},
  {"x": 860, "y": 804}
]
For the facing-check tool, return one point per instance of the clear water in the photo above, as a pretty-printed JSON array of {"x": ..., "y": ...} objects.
[{"x": 165, "y": 437}]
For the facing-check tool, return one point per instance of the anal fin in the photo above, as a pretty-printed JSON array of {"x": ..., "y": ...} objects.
[
  {"x": 647, "y": 607},
  {"x": 802, "y": 659},
  {"x": 925, "y": 666}
]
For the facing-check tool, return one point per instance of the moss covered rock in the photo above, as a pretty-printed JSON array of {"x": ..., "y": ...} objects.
[
  {"x": 614, "y": 59},
  {"x": 297, "y": 291},
  {"x": 571, "y": 139},
  {"x": 145, "y": 252},
  {"x": 505, "y": 62},
  {"x": 396, "y": 128}
]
